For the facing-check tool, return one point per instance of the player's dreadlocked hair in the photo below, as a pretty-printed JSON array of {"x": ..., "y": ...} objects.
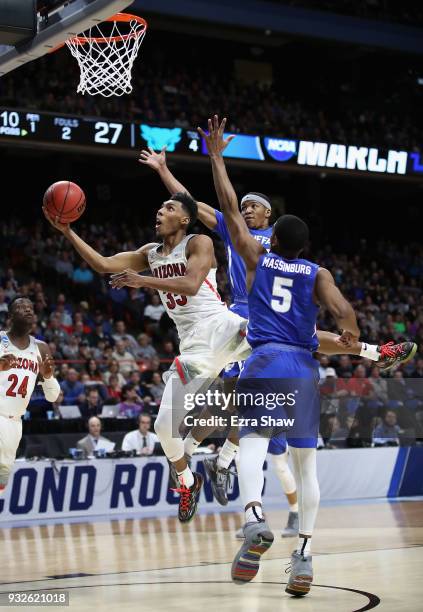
[
  {"x": 292, "y": 234},
  {"x": 188, "y": 204}
]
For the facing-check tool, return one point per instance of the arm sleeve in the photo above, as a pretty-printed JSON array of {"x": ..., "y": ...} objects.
[
  {"x": 221, "y": 228},
  {"x": 51, "y": 389}
]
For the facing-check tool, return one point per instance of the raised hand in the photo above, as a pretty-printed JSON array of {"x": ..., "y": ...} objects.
[
  {"x": 7, "y": 362},
  {"x": 127, "y": 278},
  {"x": 215, "y": 141},
  {"x": 62, "y": 227},
  {"x": 46, "y": 366},
  {"x": 153, "y": 159}
]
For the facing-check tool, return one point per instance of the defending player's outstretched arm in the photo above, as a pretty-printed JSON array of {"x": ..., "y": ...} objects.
[
  {"x": 249, "y": 249},
  {"x": 200, "y": 258},
  {"x": 328, "y": 295},
  {"x": 157, "y": 161},
  {"x": 136, "y": 260}
]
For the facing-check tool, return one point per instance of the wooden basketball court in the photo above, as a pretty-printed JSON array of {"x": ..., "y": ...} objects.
[{"x": 365, "y": 556}]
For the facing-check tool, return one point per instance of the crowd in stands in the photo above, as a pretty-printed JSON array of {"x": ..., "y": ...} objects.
[
  {"x": 111, "y": 347},
  {"x": 409, "y": 12},
  {"x": 376, "y": 106}
]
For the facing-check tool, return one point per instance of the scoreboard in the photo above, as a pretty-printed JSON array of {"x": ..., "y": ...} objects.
[
  {"x": 49, "y": 127},
  {"x": 45, "y": 127}
]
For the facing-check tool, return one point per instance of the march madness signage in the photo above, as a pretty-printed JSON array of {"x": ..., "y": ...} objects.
[
  {"x": 139, "y": 487},
  {"x": 98, "y": 487}
]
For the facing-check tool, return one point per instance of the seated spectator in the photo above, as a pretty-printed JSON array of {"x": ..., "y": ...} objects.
[
  {"x": 358, "y": 385},
  {"x": 122, "y": 334},
  {"x": 153, "y": 312},
  {"x": 93, "y": 405},
  {"x": 354, "y": 439},
  {"x": 73, "y": 389},
  {"x": 61, "y": 301},
  {"x": 379, "y": 385},
  {"x": 63, "y": 371},
  {"x": 339, "y": 434},
  {"x": 93, "y": 371},
  {"x": 81, "y": 331},
  {"x": 99, "y": 335},
  {"x": 134, "y": 306},
  {"x": 324, "y": 363},
  {"x": 94, "y": 439},
  {"x": 131, "y": 404},
  {"x": 329, "y": 392},
  {"x": 398, "y": 389},
  {"x": 418, "y": 371},
  {"x": 168, "y": 352},
  {"x": 94, "y": 384},
  {"x": 114, "y": 369},
  {"x": 64, "y": 317},
  {"x": 57, "y": 355},
  {"x": 141, "y": 440},
  {"x": 157, "y": 387},
  {"x": 82, "y": 275},
  {"x": 145, "y": 350},
  {"x": 55, "y": 332},
  {"x": 64, "y": 264},
  {"x": 147, "y": 375},
  {"x": 71, "y": 349},
  {"x": 387, "y": 433},
  {"x": 80, "y": 317},
  {"x": 345, "y": 366},
  {"x": 135, "y": 379},
  {"x": 114, "y": 389},
  {"x": 124, "y": 358},
  {"x": 98, "y": 353}
]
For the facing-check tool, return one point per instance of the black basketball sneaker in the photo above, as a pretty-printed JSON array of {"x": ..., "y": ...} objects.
[
  {"x": 392, "y": 355},
  {"x": 189, "y": 498}
]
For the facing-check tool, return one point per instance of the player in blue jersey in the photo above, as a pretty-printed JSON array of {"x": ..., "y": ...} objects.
[
  {"x": 256, "y": 212},
  {"x": 284, "y": 294}
]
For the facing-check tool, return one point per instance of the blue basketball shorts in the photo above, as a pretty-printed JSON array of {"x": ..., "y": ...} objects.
[{"x": 277, "y": 396}]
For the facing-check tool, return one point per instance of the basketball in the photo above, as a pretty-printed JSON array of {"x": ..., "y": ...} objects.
[{"x": 64, "y": 201}]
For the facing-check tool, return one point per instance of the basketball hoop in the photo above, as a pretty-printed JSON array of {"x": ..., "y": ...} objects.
[{"x": 106, "y": 54}]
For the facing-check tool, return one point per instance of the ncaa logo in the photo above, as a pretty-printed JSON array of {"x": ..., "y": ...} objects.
[
  {"x": 280, "y": 149},
  {"x": 4, "y": 341}
]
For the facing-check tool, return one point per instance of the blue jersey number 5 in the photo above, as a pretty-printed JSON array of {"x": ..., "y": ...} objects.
[{"x": 280, "y": 284}]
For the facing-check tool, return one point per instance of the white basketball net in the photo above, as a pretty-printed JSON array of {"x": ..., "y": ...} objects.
[{"x": 106, "y": 54}]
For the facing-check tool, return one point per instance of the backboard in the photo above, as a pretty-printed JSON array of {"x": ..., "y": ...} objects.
[{"x": 57, "y": 21}]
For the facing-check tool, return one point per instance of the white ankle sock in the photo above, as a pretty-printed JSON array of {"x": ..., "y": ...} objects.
[
  {"x": 253, "y": 514},
  {"x": 190, "y": 444},
  {"x": 227, "y": 454},
  {"x": 304, "y": 550},
  {"x": 369, "y": 351},
  {"x": 293, "y": 507},
  {"x": 186, "y": 477}
]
